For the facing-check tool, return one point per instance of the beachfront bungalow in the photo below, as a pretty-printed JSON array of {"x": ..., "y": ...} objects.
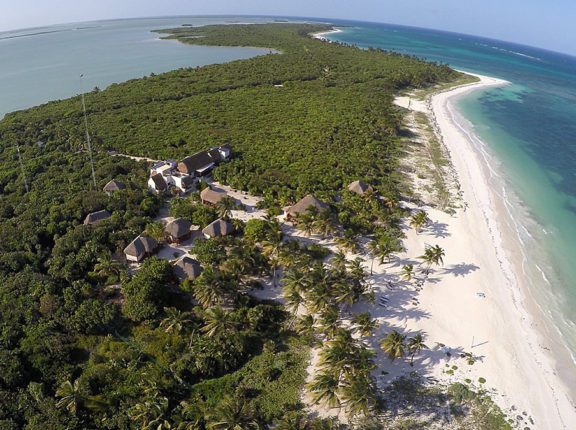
[
  {"x": 157, "y": 183},
  {"x": 360, "y": 188},
  {"x": 211, "y": 197},
  {"x": 113, "y": 186},
  {"x": 304, "y": 206},
  {"x": 199, "y": 164},
  {"x": 178, "y": 230},
  {"x": 96, "y": 217},
  {"x": 140, "y": 248},
  {"x": 187, "y": 268},
  {"x": 218, "y": 228}
]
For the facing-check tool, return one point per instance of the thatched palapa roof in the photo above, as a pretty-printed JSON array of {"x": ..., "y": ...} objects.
[
  {"x": 218, "y": 228},
  {"x": 187, "y": 268},
  {"x": 114, "y": 185},
  {"x": 360, "y": 188},
  {"x": 96, "y": 217},
  {"x": 140, "y": 246},
  {"x": 193, "y": 163},
  {"x": 212, "y": 196},
  {"x": 305, "y": 204},
  {"x": 178, "y": 228}
]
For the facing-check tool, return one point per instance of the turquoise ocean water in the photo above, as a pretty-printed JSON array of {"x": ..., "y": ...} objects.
[{"x": 529, "y": 126}]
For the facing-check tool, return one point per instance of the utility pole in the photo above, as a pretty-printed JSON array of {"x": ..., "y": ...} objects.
[
  {"x": 22, "y": 167},
  {"x": 88, "y": 141}
]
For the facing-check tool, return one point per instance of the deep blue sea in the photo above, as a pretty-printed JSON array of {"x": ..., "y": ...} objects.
[{"x": 530, "y": 128}]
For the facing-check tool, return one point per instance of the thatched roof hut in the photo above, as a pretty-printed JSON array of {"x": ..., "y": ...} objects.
[
  {"x": 304, "y": 206},
  {"x": 360, "y": 188},
  {"x": 199, "y": 163},
  {"x": 96, "y": 217},
  {"x": 187, "y": 268},
  {"x": 114, "y": 185},
  {"x": 212, "y": 197},
  {"x": 140, "y": 248},
  {"x": 178, "y": 229},
  {"x": 218, "y": 228}
]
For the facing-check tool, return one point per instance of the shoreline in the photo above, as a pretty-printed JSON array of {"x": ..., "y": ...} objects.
[
  {"x": 521, "y": 364},
  {"x": 322, "y": 35}
]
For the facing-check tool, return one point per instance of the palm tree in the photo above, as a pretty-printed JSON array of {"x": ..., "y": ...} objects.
[
  {"x": 212, "y": 287},
  {"x": 324, "y": 224},
  {"x": 324, "y": 389},
  {"x": 305, "y": 222},
  {"x": 364, "y": 324},
  {"x": 407, "y": 272},
  {"x": 381, "y": 248},
  {"x": 271, "y": 248},
  {"x": 107, "y": 267},
  {"x": 194, "y": 413},
  {"x": 218, "y": 322},
  {"x": 415, "y": 345},
  {"x": 329, "y": 320},
  {"x": 233, "y": 413},
  {"x": 356, "y": 270},
  {"x": 339, "y": 261},
  {"x": 348, "y": 241},
  {"x": 419, "y": 220},
  {"x": 433, "y": 255},
  {"x": 358, "y": 394},
  {"x": 305, "y": 326},
  {"x": 393, "y": 345},
  {"x": 373, "y": 247},
  {"x": 156, "y": 231},
  {"x": 225, "y": 207},
  {"x": 149, "y": 414},
  {"x": 175, "y": 320},
  {"x": 293, "y": 421},
  {"x": 72, "y": 395}
]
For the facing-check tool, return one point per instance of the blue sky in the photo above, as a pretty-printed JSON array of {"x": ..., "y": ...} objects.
[{"x": 542, "y": 23}]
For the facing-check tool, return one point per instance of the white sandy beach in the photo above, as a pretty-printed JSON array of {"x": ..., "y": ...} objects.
[
  {"x": 481, "y": 258},
  {"x": 322, "y": 35}
]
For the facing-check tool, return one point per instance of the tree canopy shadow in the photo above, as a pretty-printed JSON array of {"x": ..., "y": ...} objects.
[
  {"x": 461, "y": 269},
  {"x": 438, "y": 229}
]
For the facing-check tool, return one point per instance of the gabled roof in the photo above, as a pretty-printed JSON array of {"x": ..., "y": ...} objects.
[
  {"x": 212, "y": 196},
  {"x": 178, "y": 228},
  {"x": 360, "y": 188},
  {"x": 218, "y": 228},
  {"x": 305, "y": 204},
  {"x": 159, "y": 182},
  {"x": 95, "y": 217},
  {"x": 114, "y": 185},
  {"x": 195, "y": 162},
  {"x": 215, "y": 155},
  {"x": 187, "y": 268},
  {"x": 188, "y": 180},
  {"x": 140, "y": 246}
]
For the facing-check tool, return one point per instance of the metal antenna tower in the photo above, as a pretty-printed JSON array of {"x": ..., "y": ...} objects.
[
  {"x": 22, "y": 168},
  {"x": 88, "y": 140}
]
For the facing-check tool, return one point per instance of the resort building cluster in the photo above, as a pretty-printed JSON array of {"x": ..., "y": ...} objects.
[{"x": 182, "y": 176}]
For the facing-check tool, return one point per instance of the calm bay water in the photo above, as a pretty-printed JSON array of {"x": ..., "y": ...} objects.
[
  {"x": 529, "y": 126},
  {"x": 42, "y": 64}
]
